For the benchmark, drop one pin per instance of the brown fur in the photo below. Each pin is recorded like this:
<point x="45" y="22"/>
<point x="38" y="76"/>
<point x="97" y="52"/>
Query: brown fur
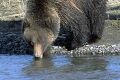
<point x="84" y="18"/>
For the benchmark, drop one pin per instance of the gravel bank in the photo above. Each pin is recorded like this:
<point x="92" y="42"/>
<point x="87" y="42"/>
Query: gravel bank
<point x="12" y="42"/>
<point x="92" y="50"/>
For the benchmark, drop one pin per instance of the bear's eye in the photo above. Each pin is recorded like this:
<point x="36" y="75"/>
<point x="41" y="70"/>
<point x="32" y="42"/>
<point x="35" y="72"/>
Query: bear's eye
<point x="30" y="43"/>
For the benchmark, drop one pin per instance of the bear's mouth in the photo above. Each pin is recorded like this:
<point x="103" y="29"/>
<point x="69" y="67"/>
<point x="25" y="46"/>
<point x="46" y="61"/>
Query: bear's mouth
<point x="38" y="51"/>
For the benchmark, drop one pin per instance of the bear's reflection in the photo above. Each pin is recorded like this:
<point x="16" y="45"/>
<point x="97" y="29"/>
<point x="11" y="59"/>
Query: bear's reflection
<point x="38" y="66"/>
<point x="65" y="64"/>
<point x="89" y="63"/>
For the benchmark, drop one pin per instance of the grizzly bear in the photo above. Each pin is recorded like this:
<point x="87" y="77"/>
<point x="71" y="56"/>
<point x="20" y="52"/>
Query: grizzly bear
<point x="83" y="19"/>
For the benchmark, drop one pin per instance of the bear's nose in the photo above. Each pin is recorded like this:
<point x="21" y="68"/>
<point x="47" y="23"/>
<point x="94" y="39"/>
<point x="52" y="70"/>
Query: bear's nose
<point x="38" y="50"/>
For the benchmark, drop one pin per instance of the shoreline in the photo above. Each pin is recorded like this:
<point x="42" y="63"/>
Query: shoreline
<point x="12" y="42"/>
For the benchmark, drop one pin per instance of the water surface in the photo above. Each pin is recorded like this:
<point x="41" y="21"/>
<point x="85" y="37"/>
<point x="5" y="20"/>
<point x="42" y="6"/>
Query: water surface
<point x="24" y="67"/>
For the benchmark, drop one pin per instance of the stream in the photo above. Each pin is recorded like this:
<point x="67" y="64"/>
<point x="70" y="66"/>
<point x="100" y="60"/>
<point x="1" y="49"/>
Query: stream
<point x="24" y="67"/>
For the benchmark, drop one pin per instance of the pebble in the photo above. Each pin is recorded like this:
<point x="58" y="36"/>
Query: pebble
<point x="113" y="49"/>
<point x="11" y="43"/>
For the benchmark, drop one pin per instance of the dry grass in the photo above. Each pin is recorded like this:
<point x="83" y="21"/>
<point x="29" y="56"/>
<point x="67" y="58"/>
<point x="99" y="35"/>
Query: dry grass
<point x="11" y="9"/>
<point x="113" y="3"/>
<point x="14" y="9"/>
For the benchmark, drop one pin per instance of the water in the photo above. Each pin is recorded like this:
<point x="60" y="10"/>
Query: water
<point x="24" y="67"/>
